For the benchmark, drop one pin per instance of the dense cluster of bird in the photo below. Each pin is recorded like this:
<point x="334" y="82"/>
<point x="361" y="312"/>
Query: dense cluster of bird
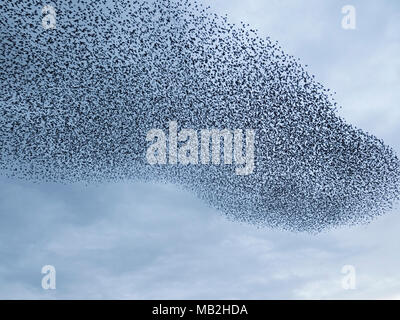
<point x="77" y="100"/>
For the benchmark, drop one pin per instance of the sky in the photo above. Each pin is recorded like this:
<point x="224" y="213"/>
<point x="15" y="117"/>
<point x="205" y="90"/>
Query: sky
<point x="148" y="241"/>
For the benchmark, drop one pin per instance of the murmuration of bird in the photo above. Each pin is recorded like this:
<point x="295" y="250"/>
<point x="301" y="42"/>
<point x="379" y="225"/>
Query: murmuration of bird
<point x="80" y="92"/>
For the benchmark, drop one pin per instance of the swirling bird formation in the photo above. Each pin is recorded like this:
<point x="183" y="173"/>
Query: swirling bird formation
<point x="77" y="100"/>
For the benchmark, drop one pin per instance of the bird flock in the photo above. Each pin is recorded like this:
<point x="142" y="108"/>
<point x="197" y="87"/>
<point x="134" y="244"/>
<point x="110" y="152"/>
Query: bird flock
<point x="77" y="99"/>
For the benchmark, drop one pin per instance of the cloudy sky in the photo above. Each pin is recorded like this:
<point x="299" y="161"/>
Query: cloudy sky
<point x="143" y="241"/>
